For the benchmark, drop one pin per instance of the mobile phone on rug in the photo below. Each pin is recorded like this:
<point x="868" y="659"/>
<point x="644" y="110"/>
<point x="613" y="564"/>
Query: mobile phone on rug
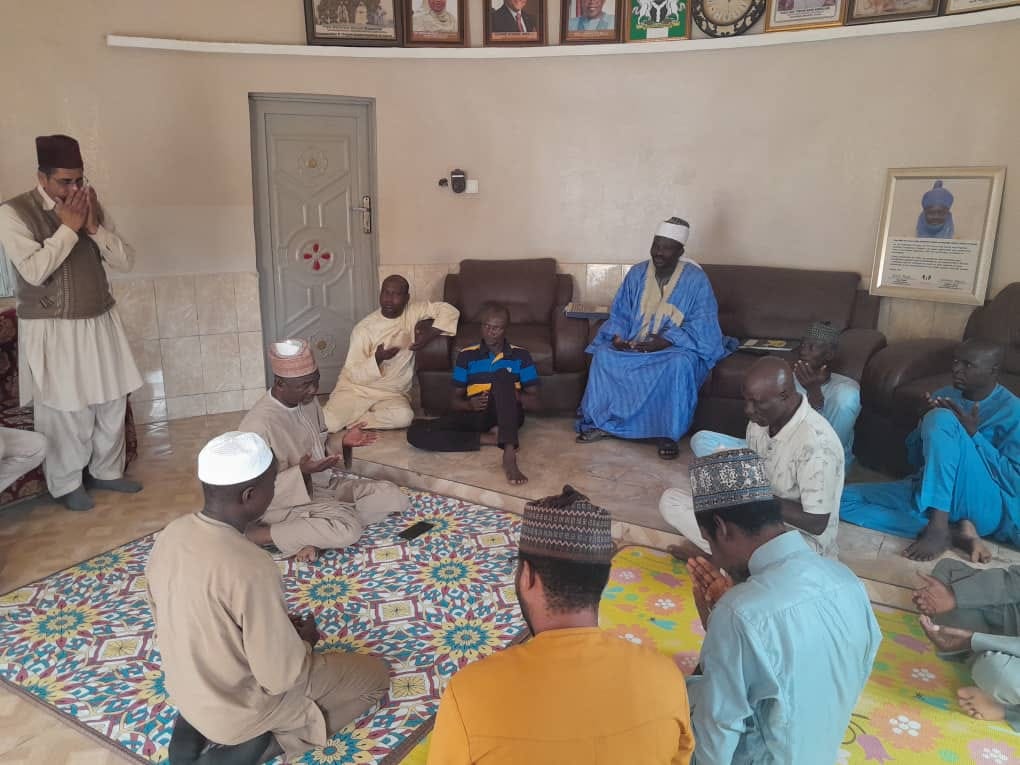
<point x="415" y="531"/>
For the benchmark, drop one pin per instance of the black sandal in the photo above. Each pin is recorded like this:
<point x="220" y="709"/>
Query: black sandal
<point x="591" y="436"/>
<point x="668" y="449"/>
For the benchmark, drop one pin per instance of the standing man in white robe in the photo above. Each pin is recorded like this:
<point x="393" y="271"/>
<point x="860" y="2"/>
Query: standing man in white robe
<point x="312" y="508"/>
<point x="75" y="364"/>
<point x="375" y="383"/>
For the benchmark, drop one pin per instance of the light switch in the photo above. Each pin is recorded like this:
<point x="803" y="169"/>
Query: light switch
<point x="472" y="186"/>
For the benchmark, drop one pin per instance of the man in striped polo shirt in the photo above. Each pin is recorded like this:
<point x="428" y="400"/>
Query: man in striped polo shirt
<point x="494" y="382"/>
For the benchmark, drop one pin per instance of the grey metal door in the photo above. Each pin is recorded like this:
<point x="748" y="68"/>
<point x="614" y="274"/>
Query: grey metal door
<point x="313" y="169"/>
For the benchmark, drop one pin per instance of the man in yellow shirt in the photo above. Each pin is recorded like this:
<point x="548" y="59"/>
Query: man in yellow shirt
<point x="573" y="694"/>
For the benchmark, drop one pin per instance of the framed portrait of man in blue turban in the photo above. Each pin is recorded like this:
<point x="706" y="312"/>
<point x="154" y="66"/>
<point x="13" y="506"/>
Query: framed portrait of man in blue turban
<point x="937" y="233"/>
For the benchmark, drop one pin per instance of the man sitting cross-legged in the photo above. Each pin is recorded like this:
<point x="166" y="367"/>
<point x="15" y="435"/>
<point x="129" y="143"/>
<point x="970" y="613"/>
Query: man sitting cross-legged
<point x="651" y="357"/>
<point x="967" y="450"/>
<point x="803" y="460"/>
<point x="836" y="397"/>
<point x="494" y="384"/>
<point x="312" y="508"/>
<point x="374" y="384"/>
<point x="236" y="664"/>
<point x="575" y="693"/>
<point x="975" y="614"/>
<point x="789" y="647"/>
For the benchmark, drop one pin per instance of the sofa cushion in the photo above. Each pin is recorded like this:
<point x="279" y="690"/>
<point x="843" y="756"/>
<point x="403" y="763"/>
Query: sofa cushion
<point x="527" y="287"/>
<point x="757" y="301"/>
<point x="536" y="338"/>
<point x="908" y="399"/>
<point x="727" y="377"/>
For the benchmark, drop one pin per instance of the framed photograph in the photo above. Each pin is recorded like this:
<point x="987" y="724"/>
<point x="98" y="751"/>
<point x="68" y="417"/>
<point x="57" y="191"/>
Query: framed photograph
<point x="514" y="22"/>
<point x="782" y="15"/>
<point x="868" y="11"/>
<point x="353" y="22"/>
<point x="586" y="21"/>
<point x="949" y="7"/>
<point x="937" y="234"/>
<point x="435" y="22"/>
<point x="658" y="20"/>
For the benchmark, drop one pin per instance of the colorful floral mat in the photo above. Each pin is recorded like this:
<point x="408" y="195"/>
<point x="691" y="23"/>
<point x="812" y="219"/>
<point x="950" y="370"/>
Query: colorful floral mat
<point x="907" y="714"/>
<point x="81" y="641"/>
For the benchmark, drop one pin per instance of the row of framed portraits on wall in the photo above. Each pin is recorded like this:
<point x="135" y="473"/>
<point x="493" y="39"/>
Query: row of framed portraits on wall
<point x="435" y="23"/>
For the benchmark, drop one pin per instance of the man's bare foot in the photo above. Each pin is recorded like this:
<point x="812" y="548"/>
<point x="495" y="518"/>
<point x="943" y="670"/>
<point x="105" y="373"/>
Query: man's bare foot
<point x="686" y="550"/>
<point x="934" y="597"/>
<point x="980" y="705"/>
<point x="946" y="639"/>
<point x="259" y="534"/>
<point x="934" y="541"/>
<point x="965" y="537"/>
<point x="307" y="554"/>
<point x="513" y="473"/>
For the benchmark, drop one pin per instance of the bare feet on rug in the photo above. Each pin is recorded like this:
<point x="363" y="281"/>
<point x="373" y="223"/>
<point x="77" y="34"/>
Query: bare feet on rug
<point x="934" y="541"/>
<point x="307" y="554"/>
<point x="965" y="537"/>
<point x="946" y="639"/>
<point x="933" y="597"/>
<point x="513" y="473"/>
<point x="980" y="705"/>
<point x="685" y="550"/>
<point x="259" y="534"/>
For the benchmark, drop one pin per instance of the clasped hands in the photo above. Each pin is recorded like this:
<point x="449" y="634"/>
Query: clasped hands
<point x="81" y="209"/>
<point x="969" y="420"/>
<point x="709" y="584"/>
<point x="651" y="344"/>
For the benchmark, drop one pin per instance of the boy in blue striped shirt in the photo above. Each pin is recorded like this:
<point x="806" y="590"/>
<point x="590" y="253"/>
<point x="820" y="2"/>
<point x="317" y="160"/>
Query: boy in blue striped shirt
<point x="494" y="382"/>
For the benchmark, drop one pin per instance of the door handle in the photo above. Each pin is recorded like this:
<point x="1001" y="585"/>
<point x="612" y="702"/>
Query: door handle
<point x="366" y="214"/>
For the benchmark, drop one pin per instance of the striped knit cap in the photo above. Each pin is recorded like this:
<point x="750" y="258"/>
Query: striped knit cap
<point x="578" y="531"/>
<point x="729" y="478"/>
<point x="823" y="332"/>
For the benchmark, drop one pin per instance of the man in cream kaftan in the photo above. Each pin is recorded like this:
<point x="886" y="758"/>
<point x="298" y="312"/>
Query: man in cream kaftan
<point x="376" y="379"/>
<point x="75" y="364"/>
<point x="312" y="508"/>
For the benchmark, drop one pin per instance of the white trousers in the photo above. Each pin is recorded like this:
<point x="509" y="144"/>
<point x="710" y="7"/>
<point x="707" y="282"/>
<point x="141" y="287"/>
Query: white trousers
<point x="92" y="437"/>
<point x="379" y="412"/>
<point x="20" y="451"/>
<point x="677" y="509"/>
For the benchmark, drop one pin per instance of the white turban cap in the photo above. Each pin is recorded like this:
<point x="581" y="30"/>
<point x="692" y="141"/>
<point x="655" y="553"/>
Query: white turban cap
<point x="676" y="229"/>
<point x="233" y="458"/>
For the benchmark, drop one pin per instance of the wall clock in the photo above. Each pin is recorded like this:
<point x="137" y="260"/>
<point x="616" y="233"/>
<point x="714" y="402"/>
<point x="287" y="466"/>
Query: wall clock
<point x="725" y="18"/>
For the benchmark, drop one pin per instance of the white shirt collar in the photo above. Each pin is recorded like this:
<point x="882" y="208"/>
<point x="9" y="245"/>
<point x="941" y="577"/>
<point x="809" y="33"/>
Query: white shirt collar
<point x="48" y="204"/>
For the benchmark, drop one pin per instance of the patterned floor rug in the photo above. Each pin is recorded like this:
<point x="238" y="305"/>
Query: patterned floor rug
<point x="907" y="714"/>
<point x="81" y="641"/>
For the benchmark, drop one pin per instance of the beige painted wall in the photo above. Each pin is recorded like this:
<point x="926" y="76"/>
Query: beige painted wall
<point x="777" y="155"/>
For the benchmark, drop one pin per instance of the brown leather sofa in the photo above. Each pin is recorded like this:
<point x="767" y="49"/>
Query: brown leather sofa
<point x="894" y="384"/>
<point x="536" y="296"/>
<point x="781" y="303"/>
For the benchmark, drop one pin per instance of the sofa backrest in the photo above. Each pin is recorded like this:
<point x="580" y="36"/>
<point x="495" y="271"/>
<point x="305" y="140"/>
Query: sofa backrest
<point x="527" y="287"/>
<point x="764" y="302"/>
<point x="999" y="322"/>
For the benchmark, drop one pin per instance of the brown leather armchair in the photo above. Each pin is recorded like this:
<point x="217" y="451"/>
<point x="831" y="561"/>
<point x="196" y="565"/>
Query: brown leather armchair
<point x="781" y="303"/>
<point x="536" y="296"/>
<point x="896" y="379"/>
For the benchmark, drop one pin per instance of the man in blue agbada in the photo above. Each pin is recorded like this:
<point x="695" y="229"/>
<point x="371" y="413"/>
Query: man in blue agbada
<point x="651" y="356"/>
<point x="967" y="450"/>
<point x="935" y="220"/>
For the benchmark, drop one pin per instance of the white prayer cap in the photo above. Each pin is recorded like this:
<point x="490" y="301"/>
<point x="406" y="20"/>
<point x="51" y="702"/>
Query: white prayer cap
<point x="675" y="228"/>
<point x="233" y="458"/>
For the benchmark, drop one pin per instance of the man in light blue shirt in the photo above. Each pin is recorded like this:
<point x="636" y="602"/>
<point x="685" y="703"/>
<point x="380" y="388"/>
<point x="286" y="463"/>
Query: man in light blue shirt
<point x="592" y="18"/>
<point x="789" y="647"/>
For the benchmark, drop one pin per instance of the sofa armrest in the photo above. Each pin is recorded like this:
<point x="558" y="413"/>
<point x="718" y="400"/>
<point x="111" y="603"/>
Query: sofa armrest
<point x="435" y="357"/>
<point x="856" y="347"/>
<point x="570" y="338"/>
<point x="901" y="363"/>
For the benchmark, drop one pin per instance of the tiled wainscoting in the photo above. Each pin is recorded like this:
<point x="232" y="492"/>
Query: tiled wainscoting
<point x="197" y="341"/>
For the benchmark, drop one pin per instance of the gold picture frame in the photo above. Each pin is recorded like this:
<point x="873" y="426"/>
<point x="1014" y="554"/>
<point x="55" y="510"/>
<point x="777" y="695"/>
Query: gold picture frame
<point x="937" y="233"/>
<point x="785" y="15"/>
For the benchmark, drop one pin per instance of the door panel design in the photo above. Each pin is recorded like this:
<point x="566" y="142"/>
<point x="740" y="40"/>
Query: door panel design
<point x="316" y="167"/>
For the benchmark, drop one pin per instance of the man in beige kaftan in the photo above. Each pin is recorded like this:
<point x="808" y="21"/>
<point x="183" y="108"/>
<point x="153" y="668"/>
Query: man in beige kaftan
<point x="376" y="379"/>
<point x="236" y="665"/>
<point x="74" y="361"/>
<point x="313" y="508"/>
